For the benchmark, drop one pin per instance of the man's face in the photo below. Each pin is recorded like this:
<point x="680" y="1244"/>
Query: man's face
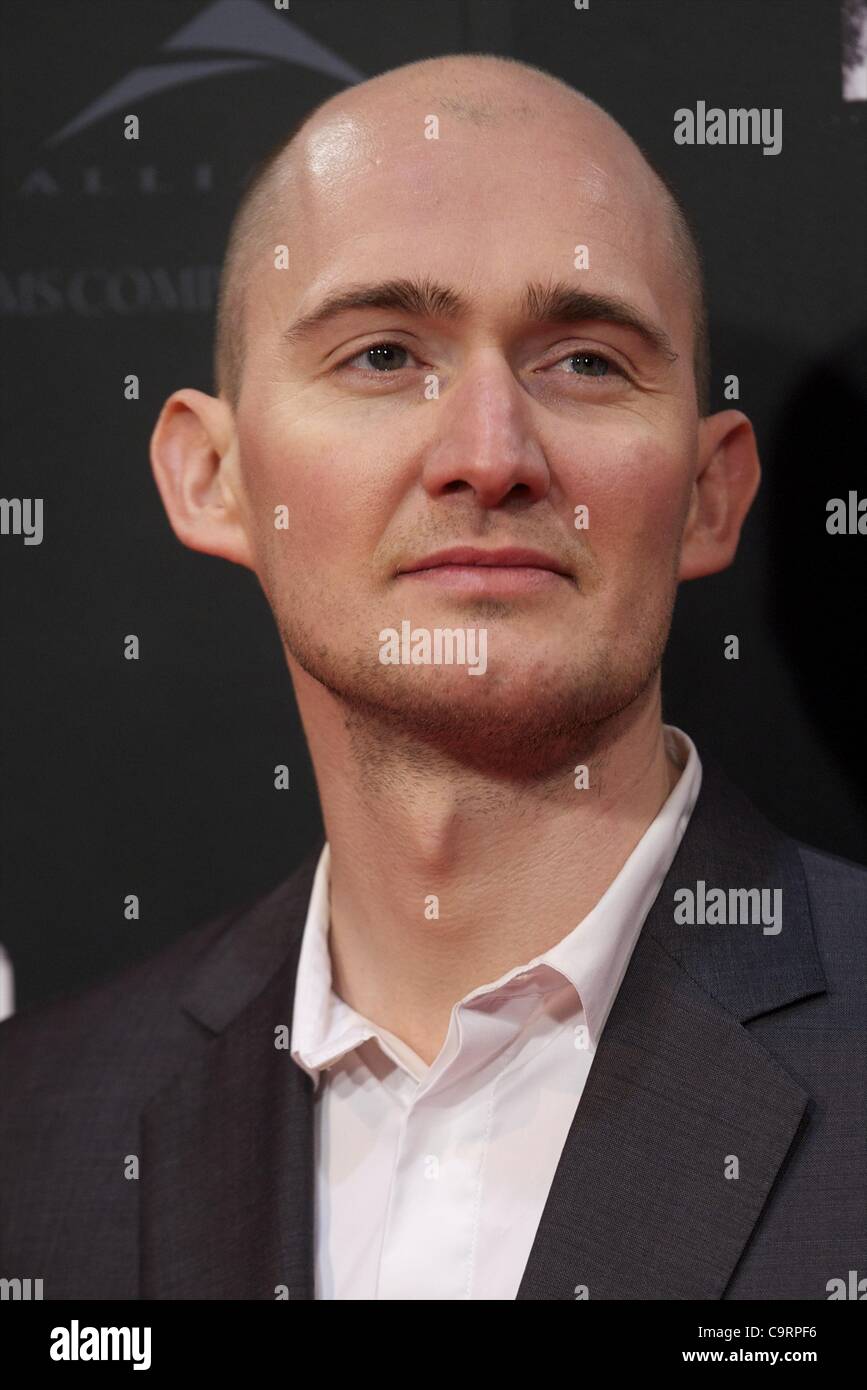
<point x="485" y="431"/>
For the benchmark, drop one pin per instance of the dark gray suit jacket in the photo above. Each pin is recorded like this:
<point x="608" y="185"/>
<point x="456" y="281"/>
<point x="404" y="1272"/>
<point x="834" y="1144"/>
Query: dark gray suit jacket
<point x="723" y="1042"/>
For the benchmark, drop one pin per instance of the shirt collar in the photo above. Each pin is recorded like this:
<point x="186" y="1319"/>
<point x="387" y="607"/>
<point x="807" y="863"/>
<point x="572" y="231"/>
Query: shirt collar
<point x="593" y="957"/>
<point x="595" y="954"/>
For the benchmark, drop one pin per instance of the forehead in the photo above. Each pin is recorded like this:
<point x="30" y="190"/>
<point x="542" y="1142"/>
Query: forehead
<point x="483" y="205"/>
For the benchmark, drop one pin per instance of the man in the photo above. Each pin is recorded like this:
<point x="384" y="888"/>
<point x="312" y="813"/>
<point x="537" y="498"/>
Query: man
<point x="553" y="1014"/>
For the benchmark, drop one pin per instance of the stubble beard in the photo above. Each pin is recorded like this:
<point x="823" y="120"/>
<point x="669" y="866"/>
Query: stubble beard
<point x="556" y="719"/>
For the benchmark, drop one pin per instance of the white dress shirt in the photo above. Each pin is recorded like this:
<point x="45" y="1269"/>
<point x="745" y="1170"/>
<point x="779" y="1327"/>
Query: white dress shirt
<point x="431" y="1180"/>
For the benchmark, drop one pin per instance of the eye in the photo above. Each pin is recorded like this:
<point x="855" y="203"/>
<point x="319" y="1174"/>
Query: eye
<point x="590" y="364"/>
<point x="379" y="357"/>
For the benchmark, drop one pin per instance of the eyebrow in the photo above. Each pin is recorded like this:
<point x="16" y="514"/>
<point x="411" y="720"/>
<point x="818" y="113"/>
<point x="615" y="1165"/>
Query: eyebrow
<point x="555" y="302"/>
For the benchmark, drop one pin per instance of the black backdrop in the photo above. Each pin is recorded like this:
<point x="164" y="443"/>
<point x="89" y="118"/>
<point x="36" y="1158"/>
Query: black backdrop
<point x="155" y="777"/>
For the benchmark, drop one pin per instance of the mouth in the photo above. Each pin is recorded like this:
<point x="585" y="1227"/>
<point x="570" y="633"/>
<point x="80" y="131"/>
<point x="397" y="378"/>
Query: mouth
<point x="470" y="569"/>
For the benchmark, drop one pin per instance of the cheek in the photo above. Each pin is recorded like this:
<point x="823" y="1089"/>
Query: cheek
<point x="636" y="492"/>
<point x="307" y="495"/>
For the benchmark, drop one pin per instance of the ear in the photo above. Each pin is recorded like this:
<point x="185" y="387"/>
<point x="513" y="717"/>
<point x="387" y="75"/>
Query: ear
<point x="194" y="460"/>
<point x="725" y="484"/>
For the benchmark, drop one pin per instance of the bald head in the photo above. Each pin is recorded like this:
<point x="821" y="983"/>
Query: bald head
<point x="482" y="90"/>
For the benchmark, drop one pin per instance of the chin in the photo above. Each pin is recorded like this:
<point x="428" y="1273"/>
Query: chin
<point x="507" y="724"/>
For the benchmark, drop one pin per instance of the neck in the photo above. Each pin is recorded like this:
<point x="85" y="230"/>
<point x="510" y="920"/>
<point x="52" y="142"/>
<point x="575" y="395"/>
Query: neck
<point x="438" y="872"/>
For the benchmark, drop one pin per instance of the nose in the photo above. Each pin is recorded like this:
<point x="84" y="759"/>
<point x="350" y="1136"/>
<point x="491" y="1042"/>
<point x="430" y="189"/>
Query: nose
<point x="484" y="442"/>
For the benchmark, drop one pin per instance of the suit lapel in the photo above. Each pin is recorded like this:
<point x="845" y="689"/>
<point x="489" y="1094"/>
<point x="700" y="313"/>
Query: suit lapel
<point x="227" y="1147"/>
<point x="679" y="1089"/>
<point x="640" y="1206"/>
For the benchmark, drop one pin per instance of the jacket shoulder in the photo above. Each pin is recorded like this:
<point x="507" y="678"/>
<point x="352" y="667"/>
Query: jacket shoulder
<point x="837" y="893"/>
<point x="128" y="1027"/>
<point x="832" y="867"/>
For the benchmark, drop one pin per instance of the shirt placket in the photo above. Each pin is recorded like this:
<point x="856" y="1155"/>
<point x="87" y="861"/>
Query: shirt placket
<point x="430" y="1233"/>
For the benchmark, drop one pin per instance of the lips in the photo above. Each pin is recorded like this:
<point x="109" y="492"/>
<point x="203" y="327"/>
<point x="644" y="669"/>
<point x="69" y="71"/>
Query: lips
<point x="507" y="557"/>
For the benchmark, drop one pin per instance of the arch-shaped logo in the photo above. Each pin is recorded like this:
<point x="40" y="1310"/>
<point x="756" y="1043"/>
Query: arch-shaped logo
<point x="229" y="27"/>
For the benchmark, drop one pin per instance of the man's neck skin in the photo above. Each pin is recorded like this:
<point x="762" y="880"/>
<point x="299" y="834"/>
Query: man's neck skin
<point x="514" y="868"/>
